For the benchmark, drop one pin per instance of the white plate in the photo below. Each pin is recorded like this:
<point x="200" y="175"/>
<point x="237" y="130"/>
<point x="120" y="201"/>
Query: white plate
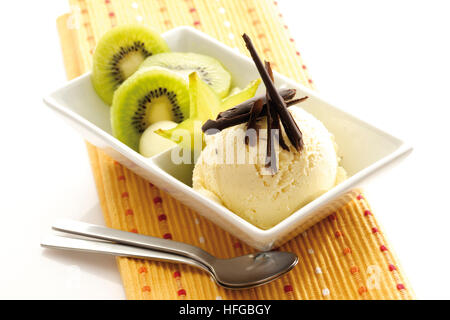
<point x="365" y="149"/>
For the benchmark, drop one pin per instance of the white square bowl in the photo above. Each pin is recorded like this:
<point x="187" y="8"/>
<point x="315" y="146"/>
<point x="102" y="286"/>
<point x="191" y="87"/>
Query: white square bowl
<point x="365" y="149"/>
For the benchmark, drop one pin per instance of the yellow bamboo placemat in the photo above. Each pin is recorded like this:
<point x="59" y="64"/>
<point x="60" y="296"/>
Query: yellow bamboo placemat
<point x="342" y="257"/>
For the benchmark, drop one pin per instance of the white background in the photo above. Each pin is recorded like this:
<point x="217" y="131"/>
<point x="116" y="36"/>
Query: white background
<point x="385" y="61"/>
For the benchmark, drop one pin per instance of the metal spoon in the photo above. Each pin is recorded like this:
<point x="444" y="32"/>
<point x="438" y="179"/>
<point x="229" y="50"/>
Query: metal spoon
<point x="237" y="273"/>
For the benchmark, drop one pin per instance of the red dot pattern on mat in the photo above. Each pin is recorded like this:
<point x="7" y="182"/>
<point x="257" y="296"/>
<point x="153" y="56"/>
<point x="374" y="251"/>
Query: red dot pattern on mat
<point x="121" y="178"/>
<point x="166" y="18"/>
<point x="129" y="212"/>
<point x="146" y="289"/>
<point x="288" y="288"/>
<point x="177" y="276"/>
<point x="354" y="269"/>
<point x="390" y="264"/>
<point x="134" y="230"/>
<point x="142" y="270"/>
<point x="237" y="245"/>
<point x="125" y="195"/>
<point x="167" y="236"/>
<point x="193" y="12"/>
<point x="111" y="14"/>
<point x="157" y="200"/>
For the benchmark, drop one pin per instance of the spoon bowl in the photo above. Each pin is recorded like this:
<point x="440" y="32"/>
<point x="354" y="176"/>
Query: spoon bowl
<point x="253" y="269"/>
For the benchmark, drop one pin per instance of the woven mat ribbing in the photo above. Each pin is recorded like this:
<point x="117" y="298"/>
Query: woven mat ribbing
<point x="342" y="257"/>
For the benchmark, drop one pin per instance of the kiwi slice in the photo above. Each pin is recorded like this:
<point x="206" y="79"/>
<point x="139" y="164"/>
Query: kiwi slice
<point x="148" y="96"/>
<point x="119" y="54"/>
<point x="209" y="69"/>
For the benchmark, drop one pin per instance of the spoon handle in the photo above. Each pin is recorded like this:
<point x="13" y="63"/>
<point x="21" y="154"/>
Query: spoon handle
<point x="119" y="250"/>
<point x="133" y="239"/>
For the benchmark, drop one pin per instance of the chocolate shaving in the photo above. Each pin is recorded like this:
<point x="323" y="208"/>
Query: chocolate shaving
<point x="274" y="114"/>
<point x="254" y="114"/>
<point x="295" y="101"/>
<point x="271" y="158"/>
<point x="225" y="122"/>
<point x="293" y="132"/>
<point x="276" y="126"/>
<point x="269" y="161"/>
<point x="269" y="138"/>
<point x="245" y="107"/>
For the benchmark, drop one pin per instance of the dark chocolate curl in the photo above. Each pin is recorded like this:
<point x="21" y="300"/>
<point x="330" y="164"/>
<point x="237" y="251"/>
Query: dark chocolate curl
<point x="293" y="132"/>
<point x="254" y="114"/>
<point x="246" y="106"/>
<point x="274" y="114"/>
<point x="239" y="118"/>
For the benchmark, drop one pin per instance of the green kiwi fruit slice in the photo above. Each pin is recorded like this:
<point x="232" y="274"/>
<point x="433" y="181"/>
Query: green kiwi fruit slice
<point x="209" y="69"/>
<point x="148" y="96"/>
<point x="119" y="53"/>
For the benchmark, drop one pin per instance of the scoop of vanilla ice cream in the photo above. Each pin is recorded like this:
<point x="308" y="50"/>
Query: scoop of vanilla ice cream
<point x="248" y="188"/>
